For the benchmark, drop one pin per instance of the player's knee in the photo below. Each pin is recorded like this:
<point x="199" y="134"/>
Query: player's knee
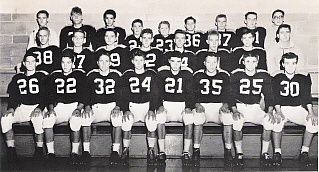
<point x="188" y="118"/>
<point x="238" y="125"/>
<point x="268" y="125"/>
<point x="37" y="124"/>
<point x="117" y="120"/>
<point x="6" y="123"/>
<point x="161" y="117"/>
<point x="75" y="123"/>
<point x="311" y="128"/>
<point x="128" y="123"/>
<point x="49" y="122"/>
<point x="199" y="118"/>
<point x="151" y="124"/>
<point x="86" y="122"/>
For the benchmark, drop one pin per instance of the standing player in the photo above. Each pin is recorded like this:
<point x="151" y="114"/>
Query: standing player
<point x="211" y="92"/>
<point x="247" y="87"/>
<point x="164" y="40"/>
<point x="277" y="20"/>
<point x="195" y="40"/>
<point x="26" y="103"/>
<point x="68" y="31"/>
<point x="137" y="104"/>
<point x="174" y="99"/>
<point x="133" y="41"/>
<point x="251" y="24"/>
<point x="292" y="90"/>
<point x="226" y="36"/>
<point x="104" y="99"/>
<point x="65" y="101"/>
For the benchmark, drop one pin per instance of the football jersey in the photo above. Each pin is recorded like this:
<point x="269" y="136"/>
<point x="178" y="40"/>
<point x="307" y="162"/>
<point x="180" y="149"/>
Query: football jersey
<point x="195" y="41"/>
<point x="120" y="58"/>
<point x="103" y="89"/>
<point x="84" y="60"/>
<point x="174" y="88"/>
<point x="101" y="34"/>
<point x="48" y="58"/>
<point x="66" y="88"/>
<point x="188" y="60"/>
<point x="68" y="31"/>
<point x="28" y="90"/>
<point x="239" y="51"/>
<point x="133" y="42"/>
<point x="292" y="92"/>
<point x="137" y="88"/>
<point x="163" y="43"/>
<point x="154" y="58"/>
<point x="227" y="40"/>
<point x="248" y="89"/>
<point x="224" y="63"/>
<point x="260" y="35"/>
<point x="211" y="89"/>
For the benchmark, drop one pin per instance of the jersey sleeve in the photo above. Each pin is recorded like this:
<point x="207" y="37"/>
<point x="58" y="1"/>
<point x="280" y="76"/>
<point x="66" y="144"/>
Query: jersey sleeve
<point x="226" y="90"/>
<point x="306" y="98"/>
<point x="122" y="35"/>
<point x="42" y="84"/>
<point x="81" y="82"/>
<point x="12" y="90"/>
<point x="262" y="64"/>
<point x="63" y="39"/>
<point x="189" y="98"/>
<point x="158" y="92"/>
<point x="125" y="90"/>
<point x="232" y="90"/>
<point x="267" y="91"/>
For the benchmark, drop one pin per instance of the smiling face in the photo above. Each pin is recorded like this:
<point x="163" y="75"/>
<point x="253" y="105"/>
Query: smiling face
<point x="180" y="40"/>
<point x="76" y="18"/>
<point x="137" y="28"/>
<point x="78" y="39"/>
<point x="163" y="29"/>
<point x="278" y="18"/>
<point x="211" y="63"/>
<point x="104" y="63"/>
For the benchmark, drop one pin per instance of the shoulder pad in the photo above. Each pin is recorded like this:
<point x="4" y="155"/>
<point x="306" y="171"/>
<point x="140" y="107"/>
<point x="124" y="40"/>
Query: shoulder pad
<point x="236" y="48"/>
<point x="202" y="50"/>
<point x="187" y="69"/>
<point x="277" y="72"/>
<point x="152" y="70"/>
<point x="88" y="48"/>
<point x="230" y="30"/>
<point x="187" y="51"/>
<point x="302" y="72"/>
<point x="223" y="71"/>
<point x="80" y="70"/>
<point x="237" y="70"/>
<point x="116" y="71"/>
<point x="56" y="71"/>
<point x="155" y="48"/>
<point x="261" y="70"/>
<point x="258" y="48"/>
<point x="128" y="70"/>
<point x="92" y="71"/>
<point x="44" y="72"/>
<point x="71" y="48"/>
<point x="102" y="47"/>
<point x="121" y="45"/>
<point x="164" y="68"/>
<point x="199" y="71"/>
<point x="223" y="49"/>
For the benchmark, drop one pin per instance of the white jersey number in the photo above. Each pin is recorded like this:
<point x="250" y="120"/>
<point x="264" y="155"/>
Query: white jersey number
<point x="215" y="84"/>
<point x="33" y="86"/>
<point x="170" y="84"/>
<point x="135" y="82"/>
<point x="109" y="86"/>
<point x="192" y="40"/>
<point x="291" y="88"/>
<point x="70" y="85"/>
<point x="47" y="57"/>
<point x="115" y="59"/>
<point x="150" y="60"/>
<point x="245" y="85"/>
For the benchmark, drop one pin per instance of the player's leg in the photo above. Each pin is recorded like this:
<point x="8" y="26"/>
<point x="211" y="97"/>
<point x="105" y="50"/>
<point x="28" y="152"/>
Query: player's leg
<point x="37" y="122"/>
<point x="116" y="120"/>
<point x="75" y="122"/>
<point x="188" y="120"/>
<point x="238" y="134"/>
<point x="277" y="137"/>
<point x="227" y="120"/>
<point x="7" y="121"/>
<point x="151" y="125"/>
<point x="161" y="117"/>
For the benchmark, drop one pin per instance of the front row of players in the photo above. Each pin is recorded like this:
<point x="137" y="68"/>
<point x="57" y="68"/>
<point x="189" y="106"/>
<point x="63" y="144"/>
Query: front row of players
<point x="172" y="94"/>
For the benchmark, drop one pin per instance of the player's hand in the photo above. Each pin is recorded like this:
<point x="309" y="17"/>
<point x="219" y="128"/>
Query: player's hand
<point x="199" y="108"/>
<point x="160" y="110"/>
<point x="150" y="115"/>
<point x="36" y="112"/>
<point x="224" y="108"/>
<point x="271" y="118"/>
<point x="313" y="117"/>
<point x="76" y="113"/>
<point x="8" y="112"/>
<point x="126" y="116"/>
<point x="279" y="117"/>
<point x="49" y="113"/>
<point x="237" y="115"/>
<point x="188" y="111"/>
<point x="87" y="113"/>
<point x="116" y="112"/>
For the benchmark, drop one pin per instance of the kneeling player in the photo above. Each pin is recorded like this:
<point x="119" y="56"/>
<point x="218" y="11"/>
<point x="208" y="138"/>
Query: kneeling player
<point x="292" y="90"/>
<point x="25" y="103"/>
<point x="104" y="98"/>
<point x="137" y="104"/>
<point x="247" y="86"/>
<point x="212" y="95"/>
<point x="174" y="97"/>
<point x="65" y="94"/>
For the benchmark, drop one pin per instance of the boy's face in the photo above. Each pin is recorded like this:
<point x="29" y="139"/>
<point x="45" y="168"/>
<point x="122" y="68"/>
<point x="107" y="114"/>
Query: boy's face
<point x="138" y="62"/>
<point x="278" y="18"/>
<point x="66" y="64"/>
<point x="43" y="36"/>
<point x="42" y="19"/>
<point x="146" y="40"/>
<point x="247" y="39"/>
<point x="76" y="18"/>
<point x="213" y="42"/>
<point x="190" y="25"/>
<point x="180" y="40"/>
<point x="109" y="20"/>
<point x="104" y="63"/>
<point x="250" y="63"/>
<point x="78" y="39"/>
<point x="221" y="23"/>
<point x="290" y="65"/>
<point x="164" y="29"/>
<point x="175" y="63"/>
<point x="30" y="63"/>
<point x="110" y="38"/>
<point x="284" y="34"/>
<point x="137" y="28"/>
<point x="211" y="63"/>
<point x="251" y="21"/>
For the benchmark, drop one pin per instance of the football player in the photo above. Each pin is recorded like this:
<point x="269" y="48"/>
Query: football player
<point x="174" y="99"/>
<point x="118" y="52"/>
<point x="77" y="23"/>
<point x="292" y="90"/>
<point x="277" y="20"/>
<point x="164" y="40"/>
<point x="26" y="103"/>
<point x="251" y="24"/>
<point x="226" y="36"/>
<point x="65" y="103"/>
<point x="104" y="99"/>
<point x="247" y="87"/>
<point x="42" y="20"/>
<point x="195" y="40"/>
<point x="211" y="92"/>
<point x="109" y="17"/>
<point x="134" y="41"/>
<point x="137" y="105"/>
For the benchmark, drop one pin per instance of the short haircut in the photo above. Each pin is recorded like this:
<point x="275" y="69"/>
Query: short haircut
<point x="164" y="22"/>
<point x="248" y="54"/>
<point x="220" y="16"/>
<point x="147" y="30"/>
<point x="27" y="54"/>
<point x="111" y="30"/>
<point x="211" y="54"/>
<point x="175" y="54"/>
<point x="68" y="53"/>
<point x="212" y="32"/>
<point x="43" y="28"/>
<point x="137" y="21"/>
<point x="250" y="12"/>
<point x="81" y="31"/>
<point x="43" y="12"/>
<point x="248" y="31"/>
<point x="137" y="52"/>
<point x="109" y="11"/>
<point x="101" y="52"/>
<point x="278" y="10"/>
<point x="76" y="10"/>
<point x="282" y="26"/>
<point x="289" y="55"/>
<point x="179" y="31"/>
<point x="190" y="18"/>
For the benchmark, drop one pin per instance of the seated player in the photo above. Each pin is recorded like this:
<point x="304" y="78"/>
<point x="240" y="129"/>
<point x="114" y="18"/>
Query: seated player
<point x="277" y="19"/>
<point x="118" y="53"/>
<point x="247" y="38"/>
<point x="83" y="56"/>
<point x="247" y="87"/>
<point x="174" y="99"/>
<point x="164" y="40"/>
<point x="109" y="17"/>
<point x="26" y="103"/>
<point x="251" y="24"/>
<point x="133" y="41"/>
<point x="103" y="104"/>
<point x="225" y="56"/>
<point x="195" y="40"/>
<point x="292" y="90"/>
<point x="211" y="92"/>
<point x="227" y="37"/>
<point x="65" y="102"/>
<point x="137" y="105"/>
<point x="67" y="32"/>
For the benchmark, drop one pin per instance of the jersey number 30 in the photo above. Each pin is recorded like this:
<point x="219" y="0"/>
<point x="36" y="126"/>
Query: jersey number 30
<point x="291" y="88"/>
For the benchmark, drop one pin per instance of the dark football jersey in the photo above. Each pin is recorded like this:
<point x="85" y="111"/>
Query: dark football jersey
<point x="120" y="58"/>
<point x="188" y="60"/>
<point x="84" y="60"/>
<point x="248" y="89"/>
<point x="101" y="34"/>
<point x="68" y="31"/>
<point x="103" y="89"/>
<point x="227" y="40"/>
<point x="132" y="42"/>
<point x="174" y="88"/>
<point x="154" y="58"/>
<point x="67" y="88"/>
<point x="292" y="92"/>
<point x="238" y="53"/>
<point x="28" y="90"/>
<point x="260" y="33"/>
<point x="195" y="41"/>
<point x="211" y="89"/>
<point x="137" y="88"/>
<point x="224" y="63"/>
<point x="48" y="58"/>
<point x="163" y="43"/>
